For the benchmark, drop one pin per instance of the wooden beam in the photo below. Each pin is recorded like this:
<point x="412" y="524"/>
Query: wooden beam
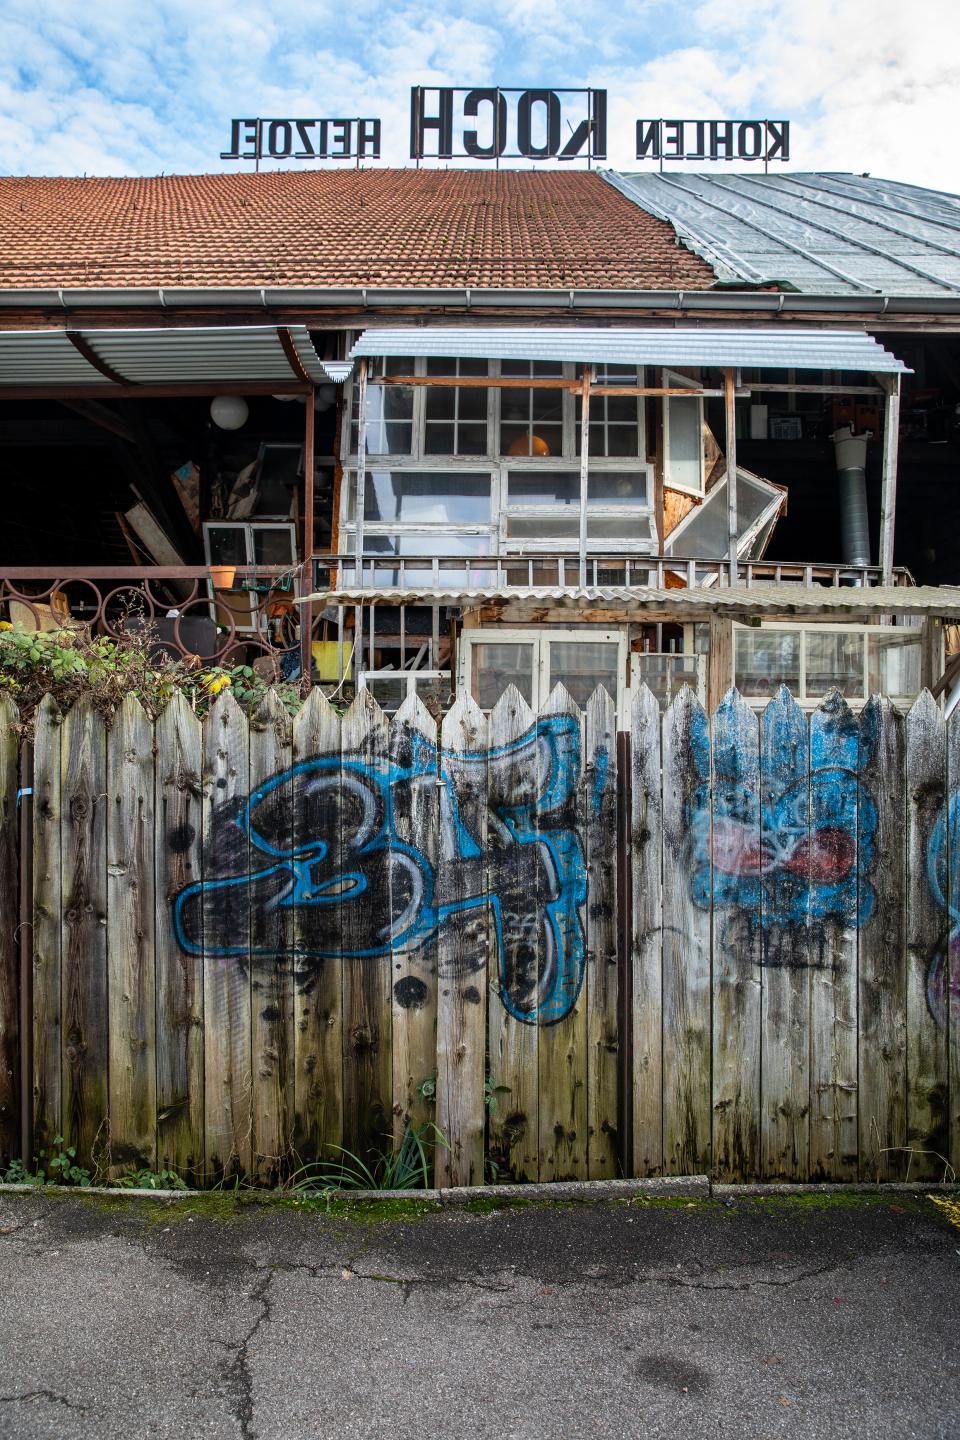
<point x="126" y="391"/>
<point x="361" y="463"/>
<point x="584" y="471"/>
<point x="730" y="451"/>
<point x="309" y="467"/>
<point x="100" y="415"/>
<point x="888" y="492"/>
<point x="92" y="358"/>
<point x="290" y="350"/>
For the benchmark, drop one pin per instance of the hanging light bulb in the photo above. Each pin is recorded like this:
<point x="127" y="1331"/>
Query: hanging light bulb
<point x="229" y="411"/>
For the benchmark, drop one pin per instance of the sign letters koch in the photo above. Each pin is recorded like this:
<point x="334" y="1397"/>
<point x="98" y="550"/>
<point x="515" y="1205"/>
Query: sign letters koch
<point x="713" y="140"/>
<point x="489" y="123"/>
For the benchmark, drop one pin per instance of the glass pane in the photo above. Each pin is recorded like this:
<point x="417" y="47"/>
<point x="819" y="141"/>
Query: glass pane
<point x="389" y="693"/>
<point x="472" y="404"/>
<point x="685" y="443"/>
<point x="543" y="527"/>
<point x="495" y="666"/>
<point x="272" y="546"/>
<point x="228" y="544"/>
<point x="619" y="527"/>
<point x="537" y="438"/>
<point x="445" y="365"/>
<point x="439" y="439"/>
<point x="543" y="487"/>
<point x="581" y="665"/>
<point x="894" y="667"/>
<point x="420" y="496"/>
<point x="834" y="659"/>
<point x="471" y="439"/>
<point x="398" y="365"/>
<point x="617" y="487"/>
<point x="766" y="659"/>
<point x="425" y="542"/>
<point x="389" y="420"/>
<point x="441" y="402"/>
<point x="705" y="536"/>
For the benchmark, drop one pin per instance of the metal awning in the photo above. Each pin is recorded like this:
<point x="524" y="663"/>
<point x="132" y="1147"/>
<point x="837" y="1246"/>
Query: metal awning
<point x="755" y="348"/>
<point x="782" y="600"/>
<point x="111" y="359"/>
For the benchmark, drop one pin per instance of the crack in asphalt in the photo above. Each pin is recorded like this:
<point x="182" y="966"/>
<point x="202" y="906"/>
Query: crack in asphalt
<point x="44" y="1395"/>
<point x="238" y="1374"/>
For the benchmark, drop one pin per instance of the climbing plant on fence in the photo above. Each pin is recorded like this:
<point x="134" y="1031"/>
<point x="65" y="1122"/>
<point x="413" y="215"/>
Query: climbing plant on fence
<point x="728" y="943"/>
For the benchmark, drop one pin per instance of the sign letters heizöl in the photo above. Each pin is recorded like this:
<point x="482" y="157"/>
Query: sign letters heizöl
<point x="291" y="139"/>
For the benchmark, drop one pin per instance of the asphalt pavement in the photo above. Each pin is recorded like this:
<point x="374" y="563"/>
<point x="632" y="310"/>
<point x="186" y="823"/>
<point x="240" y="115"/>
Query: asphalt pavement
<point x="214" y="1317"/>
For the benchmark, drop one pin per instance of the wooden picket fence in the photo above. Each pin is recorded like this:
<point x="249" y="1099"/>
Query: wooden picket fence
<point x="721" y="944"/>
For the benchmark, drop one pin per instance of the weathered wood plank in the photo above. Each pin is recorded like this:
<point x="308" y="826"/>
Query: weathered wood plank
<point x="226" y="900"/>
<point x="415" y="813"/>
<point x="834" y="797"/>
<point x="736" y="860"/>
<point x="882" y="971"/>
<point x="318" y="973"/>
<point x="131" y="973"/>
<point x="9" y="930"/>
<point x="47" y="934"/>
<point x="83" y="828"/>
<point x="602" y="926"/>
<point x="944" y="980"/>
<point x="464" y="947"/>
<point x="367" y="999"/>
<point x="563" y="1042"/>
<point x="512" y="780"/>
<point x="646" y="969"/>
<point x="686" y="937"/>
<point x="927" y="928"/>
<point x="271" y="942"/>
<point x="785" y="910"/>
<point x="179" y="801"/>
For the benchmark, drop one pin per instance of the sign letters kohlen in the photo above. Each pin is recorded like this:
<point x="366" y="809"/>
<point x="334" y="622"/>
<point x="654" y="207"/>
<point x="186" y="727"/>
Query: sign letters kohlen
<point x="713" y="140"/>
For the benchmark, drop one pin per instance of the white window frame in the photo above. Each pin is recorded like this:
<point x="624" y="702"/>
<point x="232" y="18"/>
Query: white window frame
<point x="812" y="702"/>
<point x="766" y="518"/>
<point x="541" y="639"/>
<point x="673" y="377"/>
<point x="248" y="527"/>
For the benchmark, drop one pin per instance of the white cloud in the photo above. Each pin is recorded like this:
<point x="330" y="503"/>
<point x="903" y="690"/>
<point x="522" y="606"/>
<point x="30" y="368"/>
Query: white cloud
<point x="118" y="87"/>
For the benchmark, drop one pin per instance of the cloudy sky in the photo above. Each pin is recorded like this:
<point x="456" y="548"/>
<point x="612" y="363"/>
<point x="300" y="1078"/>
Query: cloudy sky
<point x="115" y="87"/>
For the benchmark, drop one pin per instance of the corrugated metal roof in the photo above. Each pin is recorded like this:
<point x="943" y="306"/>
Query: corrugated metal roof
<point x="760" y="346"/>
<point x="769" y="600"/>
<point x="823" y="234"/>
<point x="157" y="357"/>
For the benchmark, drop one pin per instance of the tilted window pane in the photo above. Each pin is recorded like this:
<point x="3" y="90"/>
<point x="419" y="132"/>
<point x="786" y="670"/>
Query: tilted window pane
<point x="765" y="660"/>
<point x="495" y="666"/>
<point x="894" y="667"/>
<point x="834" y="659"/>
<point x="272" y="547"/>
<point x="580" y="666"/>
<point x="228" y="544"/>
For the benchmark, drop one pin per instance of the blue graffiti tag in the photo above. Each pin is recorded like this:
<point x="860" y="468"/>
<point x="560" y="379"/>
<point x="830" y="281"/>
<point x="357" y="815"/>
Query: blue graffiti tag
<point x="328" y="828"/>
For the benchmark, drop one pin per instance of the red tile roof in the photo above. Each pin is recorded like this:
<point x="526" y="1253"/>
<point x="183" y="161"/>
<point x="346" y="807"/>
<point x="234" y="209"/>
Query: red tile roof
<point x="338" y="228"/>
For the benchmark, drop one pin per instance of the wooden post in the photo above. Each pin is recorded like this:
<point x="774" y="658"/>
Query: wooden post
<point x="361" y="467"/>
<point x="584" y="470"/>
<point x="730" y="450"/>
<point x="309" y="476"/>
<point x="888" y="493"/>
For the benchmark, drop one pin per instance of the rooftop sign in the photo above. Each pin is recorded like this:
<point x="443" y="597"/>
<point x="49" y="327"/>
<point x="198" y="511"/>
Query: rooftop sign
<point x="328" y="139"/>
<point x="491" y="123"/>
<point x="713" y="140"/>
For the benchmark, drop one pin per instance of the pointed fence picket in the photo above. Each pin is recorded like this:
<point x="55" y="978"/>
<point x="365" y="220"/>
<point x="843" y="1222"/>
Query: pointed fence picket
<point x="259" y="938"/>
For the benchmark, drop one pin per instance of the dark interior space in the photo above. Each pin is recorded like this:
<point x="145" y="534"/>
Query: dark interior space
<point x="927" y="539"/>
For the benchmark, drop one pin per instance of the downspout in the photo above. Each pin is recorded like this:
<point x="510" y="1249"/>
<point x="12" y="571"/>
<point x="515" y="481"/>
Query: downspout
<point x="850" y="452"/>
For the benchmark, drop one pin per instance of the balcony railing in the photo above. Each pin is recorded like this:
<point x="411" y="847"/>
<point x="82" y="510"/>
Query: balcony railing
<point x="562" y="572"/>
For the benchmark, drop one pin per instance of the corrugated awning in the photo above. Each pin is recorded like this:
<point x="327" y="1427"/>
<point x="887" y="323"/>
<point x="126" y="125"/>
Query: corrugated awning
<point x="105" y="359"/>
<point x="757" y="347"/>
<point x="850" y="602"/>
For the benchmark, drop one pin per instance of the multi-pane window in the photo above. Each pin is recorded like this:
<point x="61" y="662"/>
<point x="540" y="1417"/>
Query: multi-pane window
<point x="455" y="417"/>
<point x="535" y="662"/>
<point x="531" y="420"/>
<point x="497" y="465"/>
<point x="616" y="421"/>
<point x="859" y="661"/>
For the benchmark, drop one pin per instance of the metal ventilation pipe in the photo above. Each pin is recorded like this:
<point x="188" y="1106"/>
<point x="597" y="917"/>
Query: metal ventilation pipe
<point x="850" y="452"/>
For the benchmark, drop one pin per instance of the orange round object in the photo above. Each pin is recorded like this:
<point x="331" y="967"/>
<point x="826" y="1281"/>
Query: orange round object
<point x="537" y="446"/>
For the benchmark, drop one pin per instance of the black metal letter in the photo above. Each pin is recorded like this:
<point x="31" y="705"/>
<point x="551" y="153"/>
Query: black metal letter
<point x="778" y="138"/>
<point x="525" y="144"/>
<point x="648" y="139"/>
<point x="306" y="151"/>
<point x="234" y="152"/>
<point x="279" y="139"/>
<point x="368" y="138"/>
<point x="673" y="135"/>
<point x="749" y="131"/>
<point x="420" y="123"/>
<point x="721" y="135"/>
<point x="471" y="108"/>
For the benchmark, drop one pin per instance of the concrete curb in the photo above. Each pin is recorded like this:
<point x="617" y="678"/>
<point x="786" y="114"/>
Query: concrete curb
<point x="694" y="1187"/>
